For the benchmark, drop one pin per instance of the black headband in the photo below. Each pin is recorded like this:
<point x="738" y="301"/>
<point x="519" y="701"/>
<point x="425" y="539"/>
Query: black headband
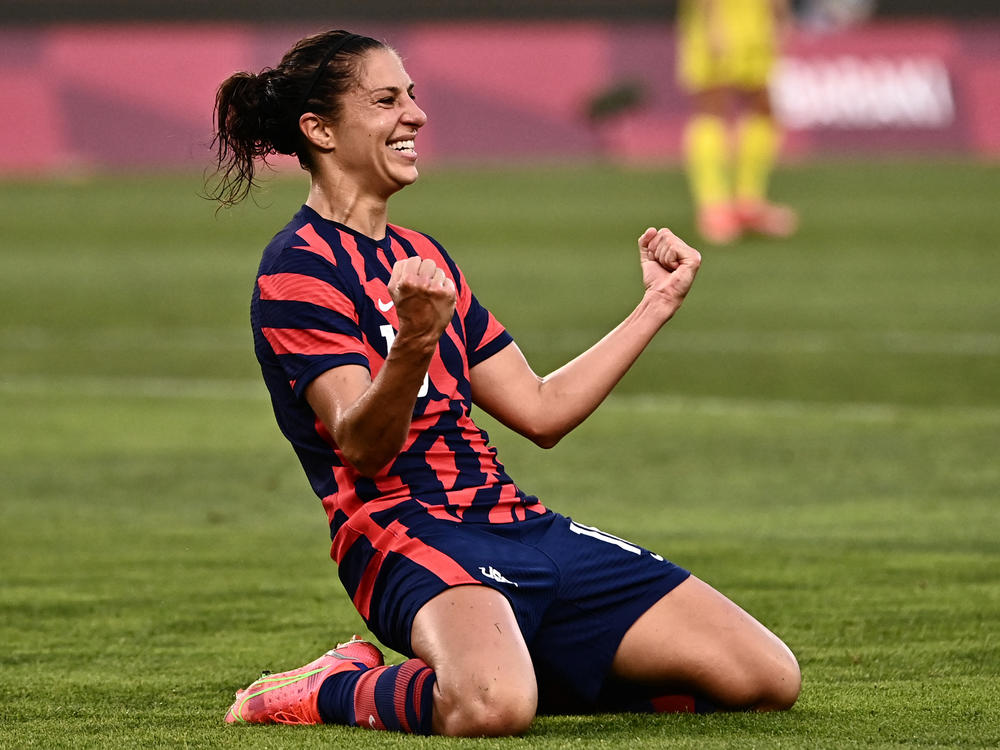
<point x="330" y="53"/>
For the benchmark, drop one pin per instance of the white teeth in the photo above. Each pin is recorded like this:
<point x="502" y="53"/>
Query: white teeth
<point x="402" y="145"/>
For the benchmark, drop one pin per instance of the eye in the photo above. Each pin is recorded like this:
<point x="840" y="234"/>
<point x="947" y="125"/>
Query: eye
<point x="387" y="100"/>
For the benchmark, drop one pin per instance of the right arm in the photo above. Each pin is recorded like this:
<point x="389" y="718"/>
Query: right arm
<point x="544" y="409"/>
<point x="369" y="418"/>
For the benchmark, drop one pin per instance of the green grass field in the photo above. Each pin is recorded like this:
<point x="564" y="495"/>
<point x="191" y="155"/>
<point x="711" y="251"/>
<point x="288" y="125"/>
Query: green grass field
<point x="816" y="434"/>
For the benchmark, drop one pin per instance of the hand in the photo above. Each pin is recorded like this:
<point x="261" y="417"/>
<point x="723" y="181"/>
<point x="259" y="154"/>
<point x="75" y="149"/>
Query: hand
<point x="424" y="297"/>
<point x="669" y="266"/>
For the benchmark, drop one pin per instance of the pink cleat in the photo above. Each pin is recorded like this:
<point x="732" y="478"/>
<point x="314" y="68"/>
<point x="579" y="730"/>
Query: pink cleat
<point x="719" y="224"/>
<point x="290" y="697"/>
<point x="767" y="219"/>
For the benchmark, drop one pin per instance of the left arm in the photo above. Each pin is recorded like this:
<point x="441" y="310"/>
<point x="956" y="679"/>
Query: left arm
<point x="544" y="409"/>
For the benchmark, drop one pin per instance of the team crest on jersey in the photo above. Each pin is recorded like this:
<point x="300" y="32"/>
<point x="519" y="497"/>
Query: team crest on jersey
<point x="495" y="575"/>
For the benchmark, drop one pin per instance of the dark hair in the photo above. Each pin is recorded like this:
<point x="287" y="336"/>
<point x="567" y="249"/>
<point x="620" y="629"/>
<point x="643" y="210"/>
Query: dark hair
<point x="257" y="115"/>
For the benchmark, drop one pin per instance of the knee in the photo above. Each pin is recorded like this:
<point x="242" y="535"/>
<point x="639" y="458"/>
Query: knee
<point x="772" y="684"/>
<point x="777" y="688"/>
<point x="497" y="712"/>
<point x="785" y="685"/>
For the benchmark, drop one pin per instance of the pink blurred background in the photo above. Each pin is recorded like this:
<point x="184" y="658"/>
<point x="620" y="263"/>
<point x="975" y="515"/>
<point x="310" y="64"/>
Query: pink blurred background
<point x="108" y="97"/>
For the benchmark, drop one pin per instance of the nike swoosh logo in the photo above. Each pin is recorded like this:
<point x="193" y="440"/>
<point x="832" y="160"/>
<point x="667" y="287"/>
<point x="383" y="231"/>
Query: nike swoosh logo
<point x="384" y="306"/>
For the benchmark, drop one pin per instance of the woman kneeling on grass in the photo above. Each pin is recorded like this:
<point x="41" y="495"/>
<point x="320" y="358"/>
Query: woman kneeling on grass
<point x="374" y="350"/>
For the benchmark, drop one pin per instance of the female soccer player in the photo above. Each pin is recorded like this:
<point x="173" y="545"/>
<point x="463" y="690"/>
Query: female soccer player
<point x="374" y="349"/>
<point x="726" y="52"/>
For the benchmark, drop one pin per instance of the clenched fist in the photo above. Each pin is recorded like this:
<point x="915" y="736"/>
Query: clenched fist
<point x="424" y="297"/>
<point x="669" y="265"/>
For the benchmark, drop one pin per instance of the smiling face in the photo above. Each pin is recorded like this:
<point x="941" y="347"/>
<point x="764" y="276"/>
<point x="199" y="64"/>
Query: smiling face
<point x="374" y="139"/>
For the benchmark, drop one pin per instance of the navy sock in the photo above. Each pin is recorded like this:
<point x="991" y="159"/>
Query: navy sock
<point x="336" y="697"/>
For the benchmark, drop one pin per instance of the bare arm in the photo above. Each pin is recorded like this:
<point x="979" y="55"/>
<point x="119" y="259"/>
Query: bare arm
<point x="369" y="418"/>
<point x="545" y="409"/>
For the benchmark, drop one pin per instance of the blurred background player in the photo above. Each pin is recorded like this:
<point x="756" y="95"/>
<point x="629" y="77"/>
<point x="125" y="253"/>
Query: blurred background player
<point x="726" y="52"/>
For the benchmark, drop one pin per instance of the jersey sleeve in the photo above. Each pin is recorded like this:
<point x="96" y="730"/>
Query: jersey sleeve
<point x="485" y="335"/>
<point x="306" y="317"/>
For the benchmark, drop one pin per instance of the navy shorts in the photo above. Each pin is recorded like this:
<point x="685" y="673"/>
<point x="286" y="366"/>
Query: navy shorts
<point x="575" y="591"/>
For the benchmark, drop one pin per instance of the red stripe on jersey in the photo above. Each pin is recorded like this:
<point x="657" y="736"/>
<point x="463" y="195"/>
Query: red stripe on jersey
<point x="396" y="539"/>
<point x="450" y="384"/>
<point x="500" y="513"/>
<point x="442" y="458"/>
<point x="423" y="246"/>
<point x="363" y="595"/>
<point x="487" y="461"/>
<point x="394" y="253"/>
<point x="358" y="511"/>
<point x="344" y="498"/>
<point x="434" y="560"/>
<point x="324" y="433"/>
<point x="427" y="249"/>
<point x="350" y="244"/>
<point x="391" y="490"/>
<point x="344" y="539"/>
<point x="338" y="500"/>
<point x="438" y="512"/>
<point x="443" y="380"/>
<point x="398" y="252"/>
<point x="311" y="341"/>
<point x="294" y="287"/>
<point x="375" y="288"/>
<point x="315" y="243"/>
<point x="493" y="329"/>
<point x="462" y="498"/>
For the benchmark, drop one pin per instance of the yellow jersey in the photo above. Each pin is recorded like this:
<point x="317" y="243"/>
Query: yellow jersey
<point x="729" y="43"/>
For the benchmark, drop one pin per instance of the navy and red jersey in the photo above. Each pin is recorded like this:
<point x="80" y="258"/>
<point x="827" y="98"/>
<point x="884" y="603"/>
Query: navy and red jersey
<point x="321" y="301"/>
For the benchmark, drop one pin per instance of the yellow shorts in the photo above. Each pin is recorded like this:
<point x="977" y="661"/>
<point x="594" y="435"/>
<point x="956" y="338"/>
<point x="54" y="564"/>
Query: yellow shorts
<point x="747" y="51"/>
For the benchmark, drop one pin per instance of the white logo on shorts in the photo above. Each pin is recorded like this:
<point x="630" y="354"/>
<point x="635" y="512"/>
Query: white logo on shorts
<point x="495" y="575"/>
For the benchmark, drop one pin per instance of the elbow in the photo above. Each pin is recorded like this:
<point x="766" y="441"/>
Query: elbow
<point x="369" y="454"/>
<point x="368" y="469"/>
<point x="368" y="463"/>
<point x="543" y="430"/>
<point x="544" y="438"/>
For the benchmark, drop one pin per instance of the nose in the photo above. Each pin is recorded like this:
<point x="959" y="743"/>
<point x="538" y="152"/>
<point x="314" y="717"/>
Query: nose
<point x="414" y="115"/>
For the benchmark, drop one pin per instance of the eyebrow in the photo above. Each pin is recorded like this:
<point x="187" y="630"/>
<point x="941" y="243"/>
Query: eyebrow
<point x="391" y="89"/>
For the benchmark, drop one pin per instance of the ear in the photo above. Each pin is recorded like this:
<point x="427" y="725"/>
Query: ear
<point x="317" y="131"/>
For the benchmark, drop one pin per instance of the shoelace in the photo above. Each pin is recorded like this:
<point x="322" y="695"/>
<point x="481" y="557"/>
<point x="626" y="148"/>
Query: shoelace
<point x="287" y="717"/>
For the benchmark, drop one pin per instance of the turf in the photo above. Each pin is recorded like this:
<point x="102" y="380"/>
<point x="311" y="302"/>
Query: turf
<point x="815" y="434"/>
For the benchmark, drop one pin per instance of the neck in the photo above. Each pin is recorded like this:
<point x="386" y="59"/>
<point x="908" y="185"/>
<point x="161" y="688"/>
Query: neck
<point x="349" y="206"/>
